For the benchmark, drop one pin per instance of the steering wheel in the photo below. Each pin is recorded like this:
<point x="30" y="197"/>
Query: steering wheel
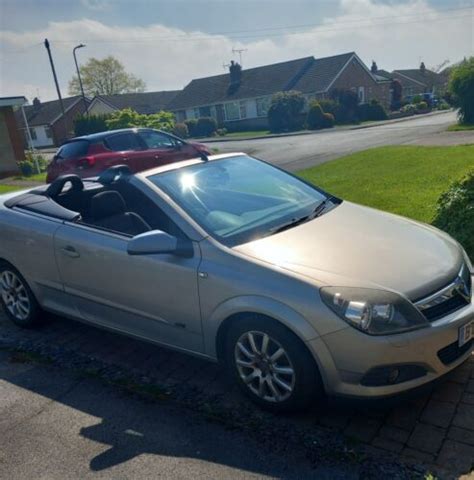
<point x="57" y="186"/>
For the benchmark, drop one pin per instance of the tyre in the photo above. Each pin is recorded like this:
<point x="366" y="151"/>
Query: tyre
<point x="272" y="365"/>
<point x="17" y="299"/>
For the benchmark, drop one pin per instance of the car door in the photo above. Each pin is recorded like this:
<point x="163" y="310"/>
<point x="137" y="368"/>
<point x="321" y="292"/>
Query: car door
<point x="154" y="297"/>
<point x="129" y="149"/>
<point x="161" y="148"/>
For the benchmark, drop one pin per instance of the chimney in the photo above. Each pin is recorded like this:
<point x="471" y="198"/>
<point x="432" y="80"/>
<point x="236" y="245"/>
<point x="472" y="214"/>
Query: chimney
<point x="374" y="67"/>
<point x="235" y="73"/>
<point x="36" y="103"/>
<point x="422" y="67"/>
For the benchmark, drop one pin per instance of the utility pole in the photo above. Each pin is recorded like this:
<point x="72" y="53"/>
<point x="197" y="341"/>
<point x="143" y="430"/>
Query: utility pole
<point x="239" y="51"/>
<point x="46" y="44"/>
<point x="30" y="139"/>
<point x="79" y="75"/>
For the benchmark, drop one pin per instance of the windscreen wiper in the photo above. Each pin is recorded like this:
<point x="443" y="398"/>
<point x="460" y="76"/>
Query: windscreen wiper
<point x="317" y="211"/>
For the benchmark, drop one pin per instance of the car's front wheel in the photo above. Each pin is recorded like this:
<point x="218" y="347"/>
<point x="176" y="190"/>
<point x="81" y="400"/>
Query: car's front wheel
<point x="272" y="365"/>
<point x="17" y="299"/>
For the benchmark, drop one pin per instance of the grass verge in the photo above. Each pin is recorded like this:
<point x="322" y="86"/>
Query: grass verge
<point x="459" y="127"/>
<point x="406" y="180"/>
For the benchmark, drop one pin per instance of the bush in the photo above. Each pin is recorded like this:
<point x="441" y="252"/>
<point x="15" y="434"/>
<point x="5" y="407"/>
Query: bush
<point x="206" y="127"/>
<point x="128" y="118"/>
<point x="36" y="158"/>
<point x="85" y="125"/>
<point x="181" y="130"/>
<point x="27" y="168"/>
<point x="285" y="110"/>
<point x="371" y="111"/>
<point x="314" y="119"/>
<point x="397" y="90"/>
<point x="221" y="132"/>
<point x="329" y="106"/>
<point x="443" y="106"/>
<point x="328" y="120"/>
<point x="455" y="212"/>
<point x="461" y="86"/>
<point x="191" y="124"/>
<point x="347" y="108"/>
<point x="417" y="99"/>
<point x="160" y="121"/>
<point x="409" y="108"/>
<point x="421" y="105"/>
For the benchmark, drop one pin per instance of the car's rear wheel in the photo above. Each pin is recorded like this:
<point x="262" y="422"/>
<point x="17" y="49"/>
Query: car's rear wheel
<point x="272" y="365"/>
<point x="17" y="299"/>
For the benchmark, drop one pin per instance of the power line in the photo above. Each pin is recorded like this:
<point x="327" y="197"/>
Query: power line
<point x="193" y="38"/>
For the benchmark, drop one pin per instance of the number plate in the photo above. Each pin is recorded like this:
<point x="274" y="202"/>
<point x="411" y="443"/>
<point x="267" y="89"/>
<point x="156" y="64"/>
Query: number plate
<point x="466" y="333"/>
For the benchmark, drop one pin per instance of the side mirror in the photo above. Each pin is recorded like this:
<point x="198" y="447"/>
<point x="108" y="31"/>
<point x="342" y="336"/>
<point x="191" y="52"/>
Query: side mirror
<point x="157" y="242"/>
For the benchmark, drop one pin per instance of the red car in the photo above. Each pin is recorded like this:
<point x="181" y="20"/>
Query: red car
<point x="139" y="148"/>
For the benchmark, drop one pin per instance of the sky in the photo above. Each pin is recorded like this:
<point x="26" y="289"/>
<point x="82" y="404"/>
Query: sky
<point x="167" y="43"/>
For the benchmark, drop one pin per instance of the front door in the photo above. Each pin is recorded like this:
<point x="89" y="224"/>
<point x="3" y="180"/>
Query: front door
<point x="154" y="297"/>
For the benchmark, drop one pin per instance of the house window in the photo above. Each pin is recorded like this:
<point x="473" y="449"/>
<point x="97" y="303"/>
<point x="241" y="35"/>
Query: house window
<point x="263" y="104"/>
<point x="196" y="113"/>
<point x="243" y="109"/>
<point x="232" y="111"/>
<point x="33" y="134"/>
<point x="361" y="94"/>
<point x="48" y="133"/>
<point x="205" y="111"/>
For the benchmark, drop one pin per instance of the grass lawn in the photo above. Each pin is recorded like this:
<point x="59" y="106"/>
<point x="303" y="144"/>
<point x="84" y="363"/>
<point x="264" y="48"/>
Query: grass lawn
<point x="458" y="127"/>
<point x="7" y="188"/>
<point x="253" y="133"/>
<point x="406" y="180"/>
<point x="39" y="177"/>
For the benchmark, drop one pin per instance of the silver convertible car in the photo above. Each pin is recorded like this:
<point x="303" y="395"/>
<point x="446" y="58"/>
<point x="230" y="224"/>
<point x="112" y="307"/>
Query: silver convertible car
<point x="295" y="291"/>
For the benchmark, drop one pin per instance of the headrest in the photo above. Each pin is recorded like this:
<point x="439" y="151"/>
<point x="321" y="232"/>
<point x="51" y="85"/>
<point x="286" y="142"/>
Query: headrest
<point x="106" y="204"/>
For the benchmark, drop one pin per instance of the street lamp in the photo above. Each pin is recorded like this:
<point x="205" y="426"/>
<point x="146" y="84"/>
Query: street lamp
<point x="79" y="75"/>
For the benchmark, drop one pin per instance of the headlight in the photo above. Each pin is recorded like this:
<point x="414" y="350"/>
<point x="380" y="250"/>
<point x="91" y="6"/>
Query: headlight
<point x="376" y="312"/>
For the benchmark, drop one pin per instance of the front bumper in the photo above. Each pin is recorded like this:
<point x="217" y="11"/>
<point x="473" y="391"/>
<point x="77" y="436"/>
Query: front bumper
<point x="345" y="356"/>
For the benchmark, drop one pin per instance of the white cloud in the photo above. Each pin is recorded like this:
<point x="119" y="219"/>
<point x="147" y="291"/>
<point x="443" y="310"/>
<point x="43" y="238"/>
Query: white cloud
<point x="168" y="58"/>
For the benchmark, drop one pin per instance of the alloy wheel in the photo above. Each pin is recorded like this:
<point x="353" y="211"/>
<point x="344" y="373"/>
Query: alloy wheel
<point x="14" y="295"/>
<point x="264" y="366"/>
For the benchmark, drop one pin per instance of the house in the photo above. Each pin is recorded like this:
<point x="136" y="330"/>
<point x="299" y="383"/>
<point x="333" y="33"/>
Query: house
<point x="48" y="126"/>
<point x="241" y="98"/>
<point x="11" y="145"/>
<point x="420" y="80"/>
<point x="145" y="103"/>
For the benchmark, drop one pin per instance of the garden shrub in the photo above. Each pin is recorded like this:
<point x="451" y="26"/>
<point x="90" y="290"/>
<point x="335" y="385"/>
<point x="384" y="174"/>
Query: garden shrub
<point x="329" y="106"/>
<point x="191" y="124"/>
<point x="87" y="124"/>
<point x="371" y="111"/>
<point x="347" y="108"/>
<point x="285" y="110"/>
<point x="328" y="120"/>
<point x="27" y="168"/>
<point x="206" y="127"/>
<point x="181" y="130"/>
<point x="314" y="119"/>
<point x="421" y="105"/>
<point x="417" y="99"/>
<point x="221" y="132"/>
<point x="455" y="212"/>
<point x="443" y="106"/>
<point x="461" y="86"/>
<point x="409" y="108"/>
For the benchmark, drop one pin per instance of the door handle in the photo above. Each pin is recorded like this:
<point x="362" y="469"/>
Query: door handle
<point x="70" y="251"/>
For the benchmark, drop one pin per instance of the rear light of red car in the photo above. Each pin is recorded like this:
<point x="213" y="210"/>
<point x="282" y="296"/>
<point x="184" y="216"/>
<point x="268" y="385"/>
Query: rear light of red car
<point x="86" y="162"/>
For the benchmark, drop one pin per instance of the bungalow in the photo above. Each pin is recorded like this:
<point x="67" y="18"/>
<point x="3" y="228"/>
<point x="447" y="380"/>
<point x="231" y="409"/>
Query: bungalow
<point x="11" y="148"/>
<point x="240" y="99"/>
<point x="421" y="80"/>
<point x="145" y="103"/>
<point x="48" y="126"/>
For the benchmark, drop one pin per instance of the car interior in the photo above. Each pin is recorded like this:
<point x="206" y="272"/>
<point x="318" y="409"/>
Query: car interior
<point x="108" y="203"/>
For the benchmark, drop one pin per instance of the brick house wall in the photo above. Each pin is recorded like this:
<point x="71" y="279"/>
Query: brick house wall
<point x="64" y="127"/>
<point x="355" y="76"/>
<point x="11" y="147"/>
<point x="409" y="87"/>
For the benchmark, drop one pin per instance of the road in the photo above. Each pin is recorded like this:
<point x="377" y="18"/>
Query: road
<point x="302" y="151"/>
<point x="55" y="425"/>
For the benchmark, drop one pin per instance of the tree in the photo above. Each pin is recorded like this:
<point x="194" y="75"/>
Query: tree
<point x="348" y="102"/>
<point x="461" y="85"/>
<point x="285" y="110"/>
<point x="315" y="117"/>
<point x="105" y="77"/>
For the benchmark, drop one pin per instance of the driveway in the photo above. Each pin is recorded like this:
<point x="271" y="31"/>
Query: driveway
<point x="303" y="151"/>
<point x="434" y="430"/>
